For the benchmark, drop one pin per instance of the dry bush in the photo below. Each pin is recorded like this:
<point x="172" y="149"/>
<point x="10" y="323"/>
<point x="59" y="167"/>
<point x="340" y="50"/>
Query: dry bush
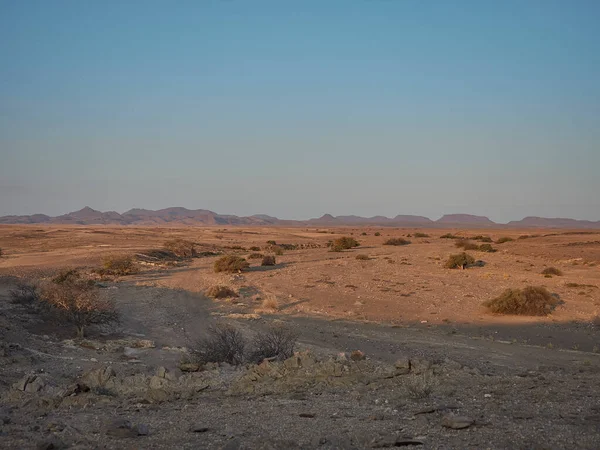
<point x="268" y="260"/>
<point x="79" y="302"/>
<point x="481" y="238"/>
<point x="552" y="271"/>
<point x="419" y="386"/>
<point x="271" y="243"/>
<point x="464" y="244"/>
<point x="396" y="241"/>
<point x="459" y="261"/>
<point x="362" y="257"/>
<point x="231" y="264"/>
<point x="223" y="344"/>
<point x="254" y="248"/>
<point x="67" y="276"/>
<point x="118" y="265"/>
<point x="1" y="253"/>
<point x="421" y="235"/>
<point x="181" y="248"/>
<point x="276" y="343"/>
<point x="487" y="248"/>
<point x="344" y="243"/>
<point x="504" y="239"/>
<point x="275" y="249"/>
<point x="221" y="292"/>
<point x="363" y="233"/>
<point x="25" y="293"/>
<point x="270" y="303"/>
<point x="530" y="301"/>
<point x="256" y="256"/>
<point x="449" y="236"/>
<point x="377" y="233"/>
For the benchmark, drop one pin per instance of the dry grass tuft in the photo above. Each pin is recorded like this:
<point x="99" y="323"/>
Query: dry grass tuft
<point x="231" y="264"/>
<point x="504" y="239"/>
<point x="362" y="257"/>
<point x="552" y="271"/>
<point x="221" y="292"/>
<point x="459" y="261"/>
<point x="344" y="243"/>
<point x="396" y="241"/>
<point x="270" y="303"/>
<point x="268" y="260"/>
<point x="530" y="301"/>
<point x="118" y="265"/>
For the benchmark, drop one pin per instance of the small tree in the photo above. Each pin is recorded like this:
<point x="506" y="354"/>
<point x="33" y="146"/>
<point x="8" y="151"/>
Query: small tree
<point x="79" y="303"/>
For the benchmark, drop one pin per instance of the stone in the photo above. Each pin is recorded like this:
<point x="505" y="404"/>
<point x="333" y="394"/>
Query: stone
<point x="142" y="429"/>
<point x="36" y="385"/>
<point x="189" y="367"/>
<point x="121" y="428"/>
<point x="357" y="355"/>
<point x="98" y="377"/>
<point x="22" y="383"/>
<point x="199" y="429"/>
<point x="456" y="422"/>
<point x="402" y="366"/>
<point x="161" y="372"/>
<point x="307" y="415"/>
<point x="419" y="366"/>
<point x="156" y="396"/>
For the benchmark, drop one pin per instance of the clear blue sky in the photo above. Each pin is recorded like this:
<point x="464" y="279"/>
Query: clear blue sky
<point x="298" y="108"/>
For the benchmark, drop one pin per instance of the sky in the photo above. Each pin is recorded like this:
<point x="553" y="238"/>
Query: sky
<point x="300" y="108"/>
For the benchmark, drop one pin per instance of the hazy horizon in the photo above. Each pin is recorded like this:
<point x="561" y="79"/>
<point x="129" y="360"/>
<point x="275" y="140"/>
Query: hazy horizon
<point x="297" y="109"/>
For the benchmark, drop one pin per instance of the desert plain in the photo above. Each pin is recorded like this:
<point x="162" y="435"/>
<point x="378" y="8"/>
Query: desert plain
<point x="393" y="348"/>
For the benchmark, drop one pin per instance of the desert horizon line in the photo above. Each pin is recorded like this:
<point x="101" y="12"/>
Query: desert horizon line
<point x="88" y="215"/>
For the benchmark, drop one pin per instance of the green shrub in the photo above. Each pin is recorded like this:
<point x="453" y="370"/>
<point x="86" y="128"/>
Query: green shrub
<point x="504" y="239"/>
<point x="344" y="243"/>
<point x="221" y="292"/>
<point x="268" y="260"/>
<point x="530" y="301"/>
<point x="552" y="271"/>
<point x="459" y="261"/>
<point x="230" y="263"/>
<point x="362" y="257"/>
<point x="181" y="248"/>
<point x="421" y="235"/>
<point x="396" y="241"/>
<point x="487" y="248"/>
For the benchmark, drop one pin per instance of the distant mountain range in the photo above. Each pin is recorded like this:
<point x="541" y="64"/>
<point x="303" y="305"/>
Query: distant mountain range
<point x="198" y="217"/>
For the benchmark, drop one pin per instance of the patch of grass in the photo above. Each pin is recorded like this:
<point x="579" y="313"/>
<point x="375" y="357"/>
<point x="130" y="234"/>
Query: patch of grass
<point x="268" y="260"/>
<point x="221" y="292"/>
<point x="397" y="241"/>
<point x="421" y="235"/>
<point x="530" y="301"/>
<point x="504" y="239"/>
<point x="459" y="261"/>
<point x="419" y="386"/>
<point x="362" y="257"/>
<point x="256" y="256"/>
<point x="270" y="303"/>
<point x="230" y="264"/>
<point x="552" y="271"/>
<point x="344" y="243"/>
<point x="181" y="248"/>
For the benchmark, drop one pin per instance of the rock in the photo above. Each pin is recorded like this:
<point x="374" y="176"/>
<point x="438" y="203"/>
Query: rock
<point x="456" y="422"/>
<point x="234" y="444"/>
<point x="307" y="415"/>
<point x="121" y="428"/>
<point x="357" y="355"/>
<point x="157" y="396"/>
<point x="199" y="429"/>
<point x="402" y="366"/>
<point x="419" y="366"/>
<point x="22" y="383"/>
<point x="132" y="353"/>
<point x="36" y="385"/>
<point x="333" y="443"/>
<point x="98" y="377"/>
<point x="75" y="388"/>
<point x="52" y="443"/>
<point x="142" y="429"/>
<point x="161" y="372"/>
<point x="189" y="367"/>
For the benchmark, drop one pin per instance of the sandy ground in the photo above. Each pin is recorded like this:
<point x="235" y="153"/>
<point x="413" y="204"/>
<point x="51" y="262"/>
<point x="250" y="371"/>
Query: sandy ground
<point x="529" y="383"/>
